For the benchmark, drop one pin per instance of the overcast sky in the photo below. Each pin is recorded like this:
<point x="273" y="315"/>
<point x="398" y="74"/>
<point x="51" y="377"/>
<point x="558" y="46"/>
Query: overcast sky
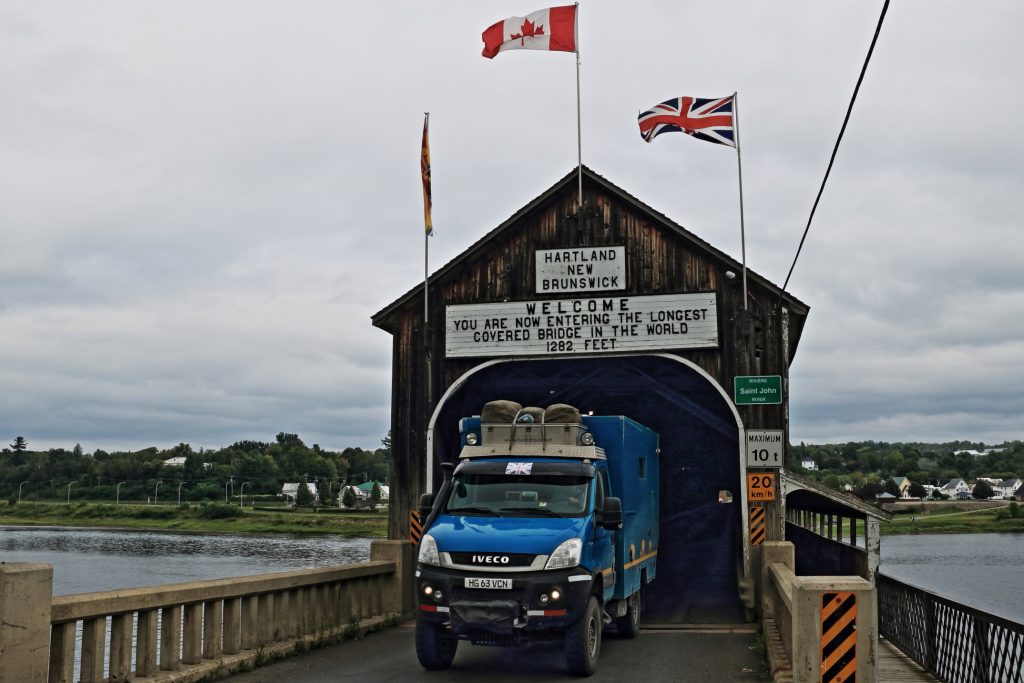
<point x="204" y="201"/>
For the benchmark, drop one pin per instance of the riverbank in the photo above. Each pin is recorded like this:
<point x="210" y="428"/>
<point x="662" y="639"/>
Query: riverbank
<point x="202" y="518"/>
<point x="954" y="518"/>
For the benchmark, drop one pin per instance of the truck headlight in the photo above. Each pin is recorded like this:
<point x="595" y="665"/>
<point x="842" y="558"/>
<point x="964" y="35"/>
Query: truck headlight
<point x="566" y="555"/>
<point x="428" y="550"/>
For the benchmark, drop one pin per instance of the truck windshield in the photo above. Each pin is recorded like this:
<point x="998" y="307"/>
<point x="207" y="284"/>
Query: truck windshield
<point x="519" y="496"/>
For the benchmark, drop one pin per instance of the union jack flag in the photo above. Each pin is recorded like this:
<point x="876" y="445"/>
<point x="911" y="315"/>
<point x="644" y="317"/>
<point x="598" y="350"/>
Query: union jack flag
<point x="518" y="468"/>
<point x="704" y="119"/>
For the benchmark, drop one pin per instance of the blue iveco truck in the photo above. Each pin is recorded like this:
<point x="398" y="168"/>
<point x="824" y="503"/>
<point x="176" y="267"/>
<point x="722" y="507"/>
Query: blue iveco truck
<point x="546" y="529"/>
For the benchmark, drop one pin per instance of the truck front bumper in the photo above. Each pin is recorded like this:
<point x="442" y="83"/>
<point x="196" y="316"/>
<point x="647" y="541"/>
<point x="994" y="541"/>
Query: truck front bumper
<point x="539" y="605"/>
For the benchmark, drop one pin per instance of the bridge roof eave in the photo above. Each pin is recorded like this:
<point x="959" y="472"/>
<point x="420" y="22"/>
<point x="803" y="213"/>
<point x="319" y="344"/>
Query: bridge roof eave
<point x="810" y="495"/>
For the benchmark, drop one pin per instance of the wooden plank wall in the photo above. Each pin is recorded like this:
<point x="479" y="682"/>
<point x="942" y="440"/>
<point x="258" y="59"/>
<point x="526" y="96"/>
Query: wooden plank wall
<point x="659" y="261"/>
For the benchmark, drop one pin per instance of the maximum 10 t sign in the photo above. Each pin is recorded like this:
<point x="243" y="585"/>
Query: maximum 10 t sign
<point x="765" y="447"/>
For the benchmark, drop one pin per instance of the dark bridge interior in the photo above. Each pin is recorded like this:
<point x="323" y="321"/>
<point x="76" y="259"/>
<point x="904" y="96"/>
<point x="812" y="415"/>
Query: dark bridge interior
<point x="700" y="549"/>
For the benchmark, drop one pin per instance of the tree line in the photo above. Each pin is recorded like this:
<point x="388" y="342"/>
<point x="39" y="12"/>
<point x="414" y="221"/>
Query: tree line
<point x="869" y="463"/>
<point x="249" y="467"/>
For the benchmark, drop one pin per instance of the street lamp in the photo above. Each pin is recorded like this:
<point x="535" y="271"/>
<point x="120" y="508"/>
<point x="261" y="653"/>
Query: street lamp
<point x="156" y="492"/>
<point x="231" y="483"/>
<point x="19" y="490"/>
<point x="241" y="494"/>
<point x="69" y="491"/>
<point x="117" y="492"/>
<point x="179" y="492"/>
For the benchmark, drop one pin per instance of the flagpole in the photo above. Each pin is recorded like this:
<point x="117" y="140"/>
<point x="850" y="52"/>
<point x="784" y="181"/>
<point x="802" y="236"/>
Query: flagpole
<point x="429" y="228"/>
<point x="579" y="133"/>
<point x="739" y="168"/>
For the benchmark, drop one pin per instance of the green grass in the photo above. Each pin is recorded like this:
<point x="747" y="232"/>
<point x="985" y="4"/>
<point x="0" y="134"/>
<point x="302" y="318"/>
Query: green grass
<point x="952" y="520"/>
<point x="209" y="517"/>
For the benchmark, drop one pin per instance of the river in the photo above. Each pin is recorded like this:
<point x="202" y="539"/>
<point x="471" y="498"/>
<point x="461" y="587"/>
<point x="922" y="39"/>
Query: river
<point x="983" y="571"/>
<point x="86" y="560"/>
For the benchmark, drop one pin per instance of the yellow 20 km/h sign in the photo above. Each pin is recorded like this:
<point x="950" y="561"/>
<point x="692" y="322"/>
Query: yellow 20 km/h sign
<point x="760" y="486"/>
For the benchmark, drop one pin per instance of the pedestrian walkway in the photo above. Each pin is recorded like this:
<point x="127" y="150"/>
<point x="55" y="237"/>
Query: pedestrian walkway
<point x="896" y="667"/>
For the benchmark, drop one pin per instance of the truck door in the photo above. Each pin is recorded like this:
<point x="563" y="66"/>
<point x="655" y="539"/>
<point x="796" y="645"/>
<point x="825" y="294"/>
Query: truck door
<point x="604" y="540"/>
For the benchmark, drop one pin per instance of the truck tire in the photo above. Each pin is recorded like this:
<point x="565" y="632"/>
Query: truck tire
<point x="434" y="647"/>
<point x="583" y="641"/>
<point x="628" y="625"/>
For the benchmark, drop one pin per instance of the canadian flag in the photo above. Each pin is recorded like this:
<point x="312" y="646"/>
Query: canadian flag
<point x="553" y="28"/>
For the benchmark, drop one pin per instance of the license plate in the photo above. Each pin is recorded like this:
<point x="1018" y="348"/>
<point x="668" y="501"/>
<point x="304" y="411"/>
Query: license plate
<point x="480" y="582"/>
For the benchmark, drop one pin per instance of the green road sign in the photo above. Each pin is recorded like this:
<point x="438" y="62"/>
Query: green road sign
<point x="757" y="390"/>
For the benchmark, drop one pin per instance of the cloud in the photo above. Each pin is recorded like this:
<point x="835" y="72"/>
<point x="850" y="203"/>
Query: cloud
<point x="204" y="204"/>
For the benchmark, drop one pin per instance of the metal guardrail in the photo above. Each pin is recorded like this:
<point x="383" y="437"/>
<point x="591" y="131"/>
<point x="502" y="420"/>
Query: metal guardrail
<point x="950" y="640"/>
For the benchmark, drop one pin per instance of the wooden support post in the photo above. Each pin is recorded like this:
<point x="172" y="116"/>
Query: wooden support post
<point x="170" y="638"/>
<point x="232" y="626"/>
<point x="145" y="643"/>
<point x="121" y="648"/>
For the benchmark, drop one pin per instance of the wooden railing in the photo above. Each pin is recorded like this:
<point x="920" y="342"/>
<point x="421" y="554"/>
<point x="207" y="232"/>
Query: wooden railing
<point x="199" y="628"/>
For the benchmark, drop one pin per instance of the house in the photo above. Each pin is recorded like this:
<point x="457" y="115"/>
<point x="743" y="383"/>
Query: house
<point x="1007" y="487"/>
<point x="903" y="484"/>
<point x="1019" y="494"/>
<point x="291" y="491"/>
<point x="809" y="464"/>
<point x="977" y="454"/>
<point x="885" y="497"/>
<point x="929" y="489"/>
<point x="957" y="489"/>
<point x="367" y="488"/>
<point x="178" y="461"/>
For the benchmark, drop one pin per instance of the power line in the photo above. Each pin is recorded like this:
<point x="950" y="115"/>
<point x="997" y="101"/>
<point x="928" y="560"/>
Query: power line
<point x="835" y="150"/>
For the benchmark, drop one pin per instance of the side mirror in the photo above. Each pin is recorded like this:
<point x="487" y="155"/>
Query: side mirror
<point x="611" y="514"/>
<point x="426" y="505"/>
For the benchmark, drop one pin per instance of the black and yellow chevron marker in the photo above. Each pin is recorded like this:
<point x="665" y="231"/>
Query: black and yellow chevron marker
<point x="415" y="528"/>
<point x="756" y="525"/>
<point x="838" y="637"/>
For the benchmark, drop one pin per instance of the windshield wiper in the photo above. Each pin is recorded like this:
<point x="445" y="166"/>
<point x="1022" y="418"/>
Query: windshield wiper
<point x="546" y="512"/>
<point x="475" y="510"/>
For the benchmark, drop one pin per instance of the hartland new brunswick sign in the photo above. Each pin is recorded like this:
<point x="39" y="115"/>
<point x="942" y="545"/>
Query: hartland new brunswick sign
<point x="584" y="325"/>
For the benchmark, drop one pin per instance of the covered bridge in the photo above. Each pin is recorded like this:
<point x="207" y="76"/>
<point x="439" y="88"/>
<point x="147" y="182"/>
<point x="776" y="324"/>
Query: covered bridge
<point x="616" y="309"/>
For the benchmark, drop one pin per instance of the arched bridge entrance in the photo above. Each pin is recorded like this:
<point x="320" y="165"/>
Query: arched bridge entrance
<point x="700" y="557"/>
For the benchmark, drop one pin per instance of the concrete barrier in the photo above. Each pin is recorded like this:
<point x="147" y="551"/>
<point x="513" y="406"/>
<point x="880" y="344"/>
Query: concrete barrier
<point x="24" y="621"/>
<point x="817" y="628"/>
<point x="188" y="631"/>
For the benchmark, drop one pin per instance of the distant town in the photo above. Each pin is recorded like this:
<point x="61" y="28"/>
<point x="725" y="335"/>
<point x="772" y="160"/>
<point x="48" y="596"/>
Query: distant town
<point x="886" y="472"/>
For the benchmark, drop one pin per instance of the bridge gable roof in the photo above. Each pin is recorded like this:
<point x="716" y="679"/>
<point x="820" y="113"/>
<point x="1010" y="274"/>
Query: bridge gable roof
<point x="385" y="318"/>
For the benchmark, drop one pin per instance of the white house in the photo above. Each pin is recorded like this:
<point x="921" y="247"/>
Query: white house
<point x="1007" y="487"/>
<point x="957" y="489"/>
<point x="178" y="461"/>
<point x="291" y="491"/>
<point x="809" y="464"/>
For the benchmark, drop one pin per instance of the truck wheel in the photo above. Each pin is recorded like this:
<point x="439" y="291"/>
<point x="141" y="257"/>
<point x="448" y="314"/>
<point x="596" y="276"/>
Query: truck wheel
<point x="434" y="647"/>
<point x="628" y="624"/>
<point x="583" y="641"/>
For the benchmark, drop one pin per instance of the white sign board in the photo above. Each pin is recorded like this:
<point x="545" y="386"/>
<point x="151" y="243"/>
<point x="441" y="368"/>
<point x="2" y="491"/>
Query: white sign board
<point x="591" y="269"/>
<point x="593" y="325"/>
<point x="765" y="447"/>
